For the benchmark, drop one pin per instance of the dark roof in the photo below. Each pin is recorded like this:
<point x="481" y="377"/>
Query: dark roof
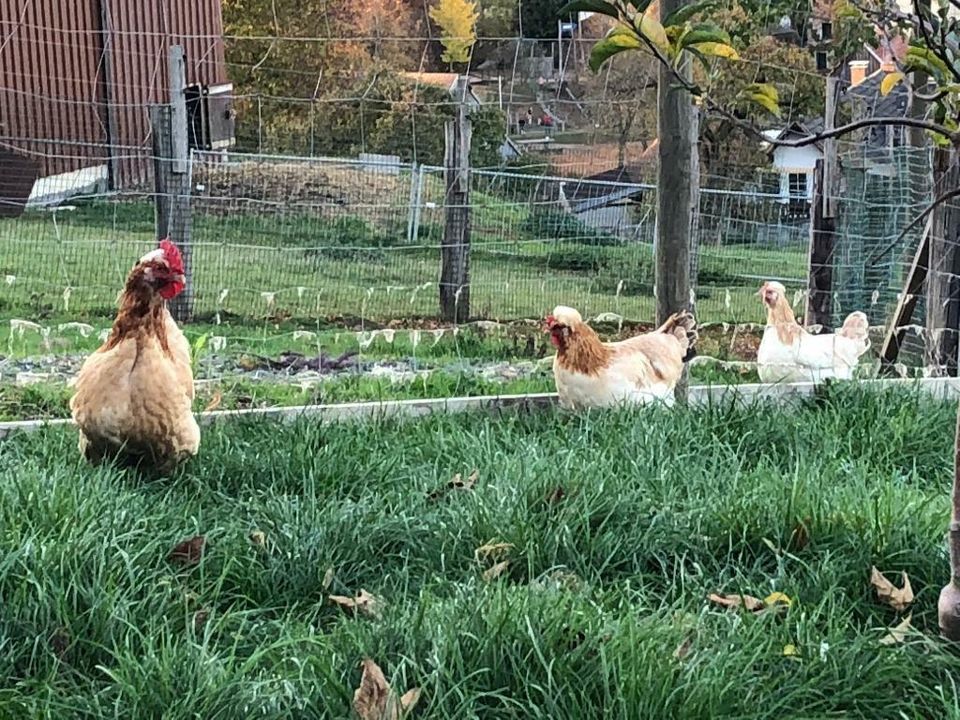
<point x="583" y="195"/>
<point x="801" y="129"/>
<point x="871" y="103"/>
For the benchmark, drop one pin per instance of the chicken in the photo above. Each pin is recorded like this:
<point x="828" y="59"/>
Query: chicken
<point x="133" y="397"/>
<point x="788" y="353"/>
<point x="590" y="373"/>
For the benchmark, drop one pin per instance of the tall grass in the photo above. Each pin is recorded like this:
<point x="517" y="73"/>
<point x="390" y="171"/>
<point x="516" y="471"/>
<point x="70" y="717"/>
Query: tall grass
<point x="620" y="524"/>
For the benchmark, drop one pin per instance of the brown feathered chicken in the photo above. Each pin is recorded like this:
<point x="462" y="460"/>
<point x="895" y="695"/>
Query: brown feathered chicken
<point x="133" y="397"/>
<point x="590" y="373"/>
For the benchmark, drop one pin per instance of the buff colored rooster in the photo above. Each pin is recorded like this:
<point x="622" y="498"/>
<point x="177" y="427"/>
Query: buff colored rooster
<point x="788" y="353"/>
<point x="133" y="397"/>
<point x="590" y="373"/>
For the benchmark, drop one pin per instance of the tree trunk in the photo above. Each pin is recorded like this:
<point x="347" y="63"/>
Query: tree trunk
<point x="678" y="179"/>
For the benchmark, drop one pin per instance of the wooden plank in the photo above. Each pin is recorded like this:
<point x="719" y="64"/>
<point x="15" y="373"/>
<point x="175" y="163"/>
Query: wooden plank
<point x="907" y="301"/>
<point x="943" y="269"/>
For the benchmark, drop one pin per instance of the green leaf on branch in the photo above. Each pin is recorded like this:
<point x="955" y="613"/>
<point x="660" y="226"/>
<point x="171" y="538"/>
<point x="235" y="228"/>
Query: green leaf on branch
<point x="595" y="6"/>
<point x="619" y="39"/>
<point x="889" y="82"/>
<point x="650" y="28"/>
<point x="763" y="94"/>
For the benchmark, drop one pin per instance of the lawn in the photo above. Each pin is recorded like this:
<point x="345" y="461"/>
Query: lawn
<point x="358" y="263"/>
<point x="616" y="526"/>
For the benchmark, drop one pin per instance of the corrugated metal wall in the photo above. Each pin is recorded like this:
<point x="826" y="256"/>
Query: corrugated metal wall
<point x="51" y="99"/>
<point x="80" y="74"/>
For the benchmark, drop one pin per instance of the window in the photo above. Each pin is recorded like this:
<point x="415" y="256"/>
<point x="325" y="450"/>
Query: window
<point x="797" y="185"/>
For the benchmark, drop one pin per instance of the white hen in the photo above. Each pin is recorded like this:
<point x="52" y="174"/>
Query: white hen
<point x="788" y="353"/>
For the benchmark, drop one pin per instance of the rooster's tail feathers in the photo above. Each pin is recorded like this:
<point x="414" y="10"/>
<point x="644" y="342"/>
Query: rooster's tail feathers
<point x="683" y="326"/>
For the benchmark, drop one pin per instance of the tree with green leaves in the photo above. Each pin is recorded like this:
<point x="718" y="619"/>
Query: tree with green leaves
<point x="458" y="25"/>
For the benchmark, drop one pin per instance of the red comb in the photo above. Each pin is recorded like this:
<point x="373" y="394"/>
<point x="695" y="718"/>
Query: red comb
<point x="172" y="255"/>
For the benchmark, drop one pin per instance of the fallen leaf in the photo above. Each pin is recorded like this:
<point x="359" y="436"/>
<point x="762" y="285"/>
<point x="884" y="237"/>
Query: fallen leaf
<point x="897" y="598"/>
<point x="189" y="552"/>
<point x="800" y="537"/>
<point x="258" y="538"/>
<point x="214" y="402"/>
<point x="734" y="601"/>
<point x="777" y="598"/>
<point x="364" y="603"/>
<point x="790" y="651"/>
<point x="375" y="700"/>
<point x="898" y="633"/>
<point x="496" y="571"/>
<point x="491" y="550"/>
<point x="556" y="495"/>
<point x="456" y="483"/>
<point x="327" y="579"/>
<point x="683" y="649"/>
<point x="60" y="642"/>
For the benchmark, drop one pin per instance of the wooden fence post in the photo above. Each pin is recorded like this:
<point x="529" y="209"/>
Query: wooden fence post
<point x="943" y="306"/>
<point x="171" y="162"/>
<point x="455" y="250"/>
<point x="820" y="275"/>
<point x="678" y="182"/>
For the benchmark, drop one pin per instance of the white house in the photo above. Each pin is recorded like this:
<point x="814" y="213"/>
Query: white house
<point x="795" y="165"/>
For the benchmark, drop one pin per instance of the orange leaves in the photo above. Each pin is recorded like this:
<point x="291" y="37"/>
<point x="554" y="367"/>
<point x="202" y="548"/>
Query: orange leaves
<point x="376" y="700"/>
<point x="897" y="598"/>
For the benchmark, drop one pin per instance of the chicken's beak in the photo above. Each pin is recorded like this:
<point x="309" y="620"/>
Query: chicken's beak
<point x="548" y="323"/>
<point x="178" y="278"/>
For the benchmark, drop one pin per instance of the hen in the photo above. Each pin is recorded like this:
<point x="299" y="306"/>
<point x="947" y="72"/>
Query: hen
<point x="590" y="373"/>
<point x="133" y="397"/>
<point x="788" y="353"/>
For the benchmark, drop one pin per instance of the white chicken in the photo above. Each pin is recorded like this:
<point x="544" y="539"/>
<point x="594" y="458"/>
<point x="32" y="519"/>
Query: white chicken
<point x="788" y="353"/>
<point x="590" y="373"/>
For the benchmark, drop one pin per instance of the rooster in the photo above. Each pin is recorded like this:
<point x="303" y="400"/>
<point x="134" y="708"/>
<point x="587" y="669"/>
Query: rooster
<point x="590" y="373"/>
<point x="133" y="397"/>
<point x="788" y="353"/>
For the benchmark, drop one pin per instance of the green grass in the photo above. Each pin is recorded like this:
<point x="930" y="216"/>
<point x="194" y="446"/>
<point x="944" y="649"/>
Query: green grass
<point x="258" y="266"/>
<point x="658" y="509"/>
<point x="451" y="366"/>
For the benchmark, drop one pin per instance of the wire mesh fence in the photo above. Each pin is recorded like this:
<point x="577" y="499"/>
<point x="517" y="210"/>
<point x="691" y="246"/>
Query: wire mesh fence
<point x="303" y="237"/>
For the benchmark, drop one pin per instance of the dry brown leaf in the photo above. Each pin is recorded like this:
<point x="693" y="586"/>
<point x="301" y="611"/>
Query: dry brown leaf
<point x="556" y="495"/>
<point x="375" y="700"/>
<point x="364" y="603"/>
<point x="189" y="552"/>
<point x="456" y="483"/>
<point x="683" y="649"/>
<point x="897" y="598"/>
<point x="800" y="537"/>
<point x="496" y="571"/>
<point x="327" y="579"/>
<point x="491" y="551"/>
<point x="735" y="601"/>
<point x="258" y="538"/>
<point x="60" y="642"/>
<point x="214" y="402"/>
<point x="898" y="633"/>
